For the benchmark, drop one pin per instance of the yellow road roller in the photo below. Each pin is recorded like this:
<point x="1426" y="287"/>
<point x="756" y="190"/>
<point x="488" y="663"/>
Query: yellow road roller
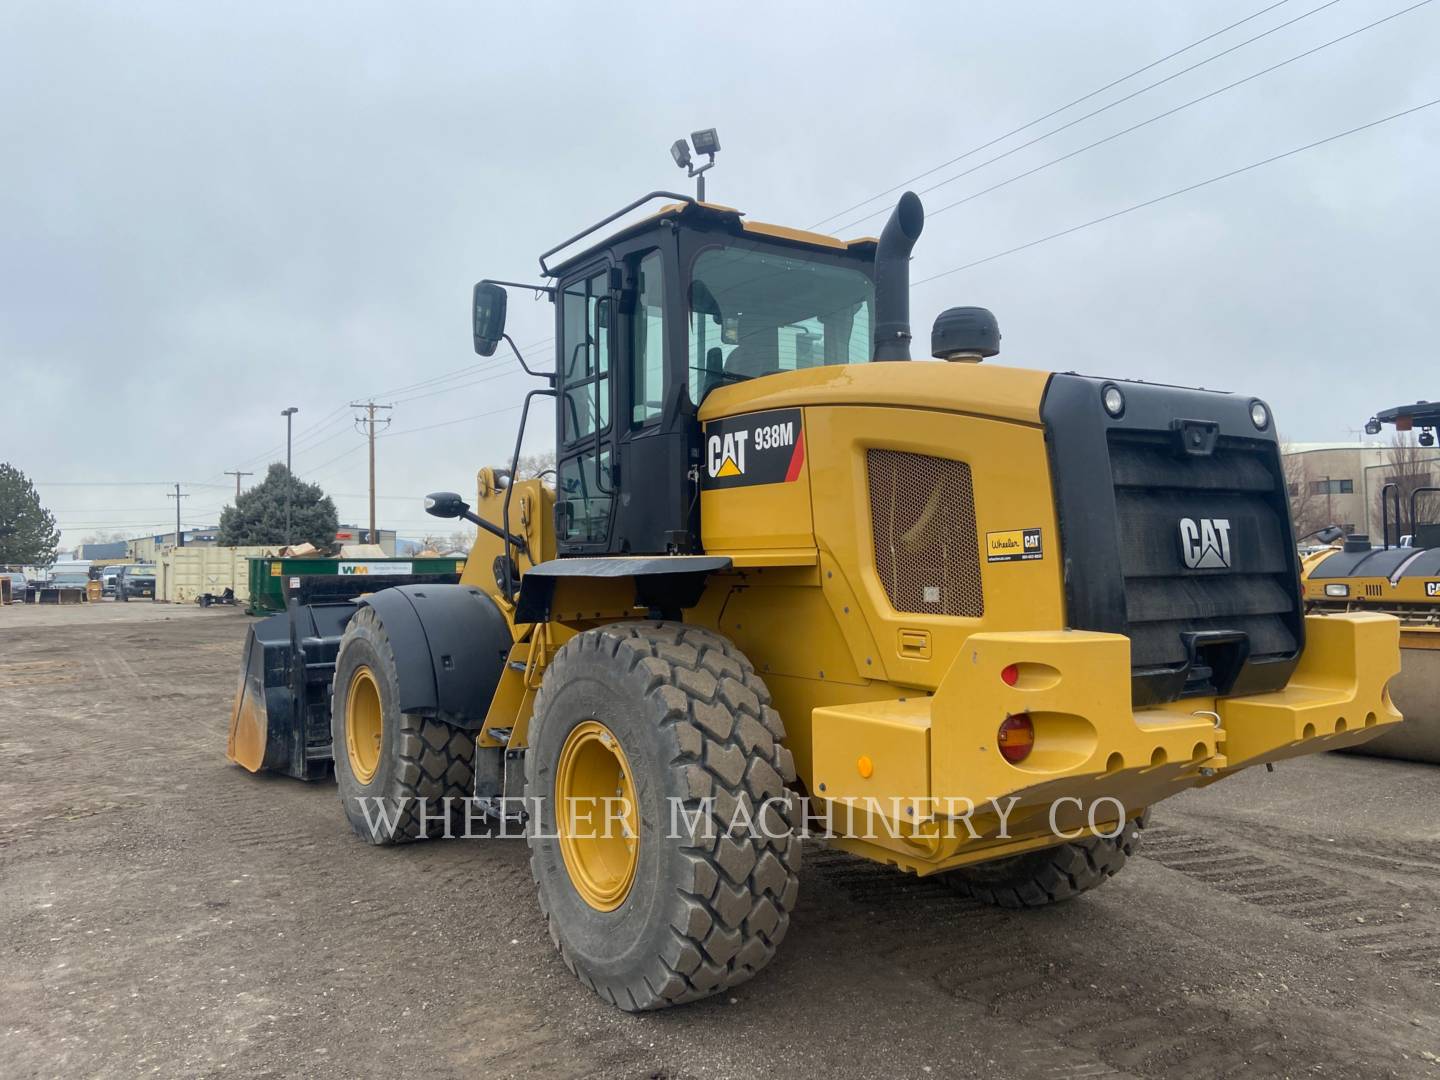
<point x="962" y="619"/>
<point x="1399" y="576"/>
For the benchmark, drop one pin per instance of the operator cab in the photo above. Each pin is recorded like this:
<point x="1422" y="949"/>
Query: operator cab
<point x="650" y="321"/>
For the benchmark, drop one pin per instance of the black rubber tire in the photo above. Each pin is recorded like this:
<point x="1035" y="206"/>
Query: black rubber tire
<point x="1049" y="875"/>
<point x="703" y="914"/>
<point x="423" y="761"/>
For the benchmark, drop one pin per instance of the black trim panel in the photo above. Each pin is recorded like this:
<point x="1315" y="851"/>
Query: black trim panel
<point x="1122" y="486"/>
<point x="681" y="577"/>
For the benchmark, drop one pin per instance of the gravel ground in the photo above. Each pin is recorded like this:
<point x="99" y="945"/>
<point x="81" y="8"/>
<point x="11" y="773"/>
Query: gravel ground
<point x="164" y="912"/>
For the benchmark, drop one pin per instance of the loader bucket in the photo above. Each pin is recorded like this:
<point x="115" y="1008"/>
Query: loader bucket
<point x="281" y="717"/>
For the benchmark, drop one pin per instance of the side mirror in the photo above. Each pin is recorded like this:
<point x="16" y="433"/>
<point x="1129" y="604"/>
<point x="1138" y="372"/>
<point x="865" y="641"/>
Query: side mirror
<point x="1330" y="534"/>
<point x="446" y="504"/>
<point x="489" y="317"/>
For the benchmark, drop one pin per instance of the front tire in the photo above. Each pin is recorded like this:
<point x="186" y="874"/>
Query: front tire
<point x="677" y="720"/>
<point x="394" y="770"/>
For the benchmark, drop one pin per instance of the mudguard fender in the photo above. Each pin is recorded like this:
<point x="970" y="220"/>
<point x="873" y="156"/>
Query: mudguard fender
<point x="450" y="644"/>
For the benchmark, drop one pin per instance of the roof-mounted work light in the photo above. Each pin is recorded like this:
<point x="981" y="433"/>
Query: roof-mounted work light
<point x="706" y="142"/>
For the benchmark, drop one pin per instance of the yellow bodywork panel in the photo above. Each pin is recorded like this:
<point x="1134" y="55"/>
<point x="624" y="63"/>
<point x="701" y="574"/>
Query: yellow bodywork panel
<point x="873" y="749"/>
<point x="1337" y="697"/>
<point x="989" y="391"/>
<point x="532" y="516"/>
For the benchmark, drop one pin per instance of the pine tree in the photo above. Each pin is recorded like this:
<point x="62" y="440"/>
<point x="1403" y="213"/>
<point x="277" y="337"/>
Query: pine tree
<point x="258" y="516"/>
<point x="28" y="535"/>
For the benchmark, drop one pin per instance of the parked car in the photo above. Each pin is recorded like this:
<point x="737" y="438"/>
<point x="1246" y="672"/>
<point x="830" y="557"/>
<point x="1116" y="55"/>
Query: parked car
<point x="136" y="580"/>
<point x="108" y="576"/>
<point x="18" y="585"/>
<point x="68" y="576"/>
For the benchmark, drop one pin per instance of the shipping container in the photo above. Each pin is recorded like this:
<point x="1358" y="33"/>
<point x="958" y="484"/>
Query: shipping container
<point x="183" y="574"/>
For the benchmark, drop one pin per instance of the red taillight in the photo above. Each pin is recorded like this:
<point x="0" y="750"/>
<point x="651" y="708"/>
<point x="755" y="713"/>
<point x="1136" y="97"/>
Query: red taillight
<point x="1010" y="674"/>
<point x="1016" y="738"/>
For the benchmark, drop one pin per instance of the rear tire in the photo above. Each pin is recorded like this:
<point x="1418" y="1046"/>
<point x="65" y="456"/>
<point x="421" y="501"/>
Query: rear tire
<point x="1050" y="875"/>
<point x="701" y="906"/>
<point x="402" y="773"/>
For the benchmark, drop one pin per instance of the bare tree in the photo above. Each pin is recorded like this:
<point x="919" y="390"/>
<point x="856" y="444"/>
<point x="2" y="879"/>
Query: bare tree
<point x="1308" y="512"/>
<point x="541" y="464"/>
<point x="460" y="540"/>
<point x="1408" y="466"/>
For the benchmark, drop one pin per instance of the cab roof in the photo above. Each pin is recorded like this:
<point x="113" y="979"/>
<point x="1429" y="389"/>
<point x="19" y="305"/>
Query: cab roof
<point x="701" y="214"/>
<point x="1404" y="417"/>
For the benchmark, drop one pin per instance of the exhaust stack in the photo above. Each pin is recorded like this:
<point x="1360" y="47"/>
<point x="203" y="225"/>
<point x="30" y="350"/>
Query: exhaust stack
<point x="892" y="278"/>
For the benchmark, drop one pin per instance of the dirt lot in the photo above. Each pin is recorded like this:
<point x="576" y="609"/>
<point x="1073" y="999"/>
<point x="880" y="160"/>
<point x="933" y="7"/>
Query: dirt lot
<point x="164" y="912"/>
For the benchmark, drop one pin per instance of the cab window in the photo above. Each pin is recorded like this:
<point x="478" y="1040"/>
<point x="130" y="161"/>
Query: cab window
<point x="647" y="353"/>
<point x="755" y="312"/>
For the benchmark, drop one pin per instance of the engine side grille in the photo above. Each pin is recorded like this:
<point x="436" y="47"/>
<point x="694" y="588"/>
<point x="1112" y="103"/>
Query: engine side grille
<point x="922" y="516"/>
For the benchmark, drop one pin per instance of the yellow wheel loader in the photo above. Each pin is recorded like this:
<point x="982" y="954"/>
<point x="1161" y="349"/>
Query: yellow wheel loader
<point x="1400" y="576"/>
<point x="959" y="618"/>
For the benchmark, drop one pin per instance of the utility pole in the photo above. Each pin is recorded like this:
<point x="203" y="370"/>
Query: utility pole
<point x="179" y="536"/>
<point x="237" y="474"/>
<point x="369" y="421"/>
<point x="289" y="415"/>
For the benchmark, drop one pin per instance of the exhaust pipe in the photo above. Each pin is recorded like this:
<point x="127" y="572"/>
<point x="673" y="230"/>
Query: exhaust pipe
<point x="892" y="278"/>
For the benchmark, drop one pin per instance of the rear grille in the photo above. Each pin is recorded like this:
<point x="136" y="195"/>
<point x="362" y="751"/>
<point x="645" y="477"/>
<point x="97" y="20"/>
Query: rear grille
<point x="1175" y="531"/>
<point x="1154" y="489"/>
<point x="922" y="516"/>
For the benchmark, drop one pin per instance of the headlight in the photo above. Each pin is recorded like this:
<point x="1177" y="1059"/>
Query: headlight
<point x="1337" y="590"/>
<point x="1259" y="415"/>
<point x="1113" y="400"/>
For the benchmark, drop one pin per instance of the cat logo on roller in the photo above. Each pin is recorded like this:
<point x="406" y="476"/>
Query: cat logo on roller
<point x="761" y="448"/>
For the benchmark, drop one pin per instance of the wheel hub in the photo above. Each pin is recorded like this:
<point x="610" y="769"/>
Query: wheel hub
<point x="596" y="816"/>
<point x="364" y="724"/>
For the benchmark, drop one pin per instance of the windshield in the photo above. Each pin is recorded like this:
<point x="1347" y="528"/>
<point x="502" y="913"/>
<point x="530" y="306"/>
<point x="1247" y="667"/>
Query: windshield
<point x="754" y="312"/>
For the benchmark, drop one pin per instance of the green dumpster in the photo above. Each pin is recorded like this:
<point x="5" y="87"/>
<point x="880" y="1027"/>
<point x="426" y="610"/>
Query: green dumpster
<point x="337" y="579"/>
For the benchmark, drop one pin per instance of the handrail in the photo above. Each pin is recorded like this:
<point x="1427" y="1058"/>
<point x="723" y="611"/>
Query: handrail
<point x="1385" y="514"/>
<point x="1414" y="495"/>
<point x="607" y="220"/>
<point x="509" y="566"/>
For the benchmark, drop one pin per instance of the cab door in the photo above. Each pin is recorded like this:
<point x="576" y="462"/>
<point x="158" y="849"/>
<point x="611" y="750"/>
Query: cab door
<point x="585" y="492"/>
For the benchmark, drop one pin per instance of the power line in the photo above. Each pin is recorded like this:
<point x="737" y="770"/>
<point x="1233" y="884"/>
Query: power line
<point x="1178" y="108"/>
<point x="1051" y="113"/>
<point x="1093" y="113"/>
<point x="1180" y="191"/>
<point x="450" y="423"/>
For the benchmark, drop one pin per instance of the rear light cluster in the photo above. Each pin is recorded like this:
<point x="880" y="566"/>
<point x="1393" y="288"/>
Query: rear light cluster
<point x="1016" y="738"/>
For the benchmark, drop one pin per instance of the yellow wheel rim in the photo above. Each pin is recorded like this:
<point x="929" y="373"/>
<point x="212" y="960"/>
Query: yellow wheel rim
<point x="364" y="724"/>
<point x="595" y="816"/>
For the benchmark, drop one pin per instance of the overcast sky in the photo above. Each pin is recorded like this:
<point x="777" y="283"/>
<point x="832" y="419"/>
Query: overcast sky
<point x="211" y="212"/>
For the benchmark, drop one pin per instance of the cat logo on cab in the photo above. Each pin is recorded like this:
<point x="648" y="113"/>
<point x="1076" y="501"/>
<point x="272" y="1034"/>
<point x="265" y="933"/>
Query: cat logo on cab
<point x="762" y="448"/>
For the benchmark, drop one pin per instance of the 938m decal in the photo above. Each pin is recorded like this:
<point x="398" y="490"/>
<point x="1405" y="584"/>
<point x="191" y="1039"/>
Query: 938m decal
<point x="761" y="448"/>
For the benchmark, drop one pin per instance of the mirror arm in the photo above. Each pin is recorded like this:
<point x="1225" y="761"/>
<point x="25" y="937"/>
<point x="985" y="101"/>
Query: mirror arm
<point x="548" y="290"/>
<point x="494" y="530"/>
<point x="547" y="375"/>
